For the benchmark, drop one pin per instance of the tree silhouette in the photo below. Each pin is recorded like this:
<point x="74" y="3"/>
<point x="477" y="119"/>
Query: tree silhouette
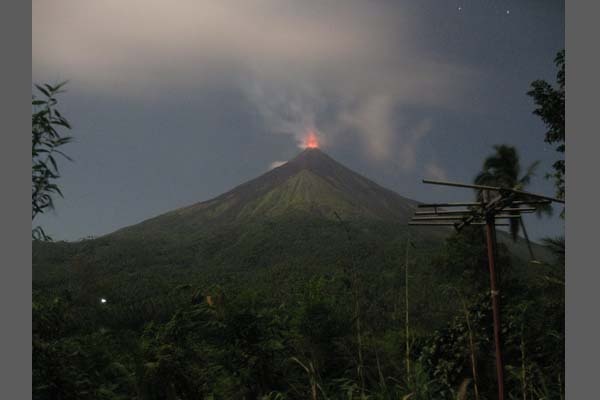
<point x="45" y="143"/>
<point x="503" y="169"/>
<point x="550" y="103"/>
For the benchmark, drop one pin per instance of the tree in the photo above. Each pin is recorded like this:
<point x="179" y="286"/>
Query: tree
<point x="503" y="169"/>
<point x="550" y="103"/>
<point x="45" y="143"/>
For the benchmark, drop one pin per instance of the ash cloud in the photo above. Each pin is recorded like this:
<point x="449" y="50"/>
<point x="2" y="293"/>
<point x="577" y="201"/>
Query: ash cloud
<point x="352" y="69"/>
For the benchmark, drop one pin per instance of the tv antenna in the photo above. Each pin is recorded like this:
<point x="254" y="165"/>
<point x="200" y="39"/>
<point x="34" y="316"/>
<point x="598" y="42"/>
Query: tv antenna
<point x="497" y="203"/>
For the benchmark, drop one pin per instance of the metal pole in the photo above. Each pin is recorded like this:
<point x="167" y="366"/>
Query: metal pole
<point x="506" y="199"/>
<point x="406" y="311"/>
<point x="491" y="250"/>
<point x="493" y="189"/>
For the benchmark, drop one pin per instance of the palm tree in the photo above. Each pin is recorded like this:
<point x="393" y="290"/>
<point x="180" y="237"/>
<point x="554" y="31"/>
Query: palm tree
<point x="503" y="169"/>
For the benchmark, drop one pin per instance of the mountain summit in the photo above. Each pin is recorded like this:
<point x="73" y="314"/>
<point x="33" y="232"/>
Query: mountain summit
<point x="311" y="184"/>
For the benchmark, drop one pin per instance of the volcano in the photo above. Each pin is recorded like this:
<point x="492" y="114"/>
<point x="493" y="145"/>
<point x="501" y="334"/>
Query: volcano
<point x="307" y="217"/>
<point x="311" y="185"/>
<point x="294" y="208"/>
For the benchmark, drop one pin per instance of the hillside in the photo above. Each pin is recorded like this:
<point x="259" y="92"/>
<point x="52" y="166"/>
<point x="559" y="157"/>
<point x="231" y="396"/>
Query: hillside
<point x="297" y="214"/>
<point x="266" y="274"/>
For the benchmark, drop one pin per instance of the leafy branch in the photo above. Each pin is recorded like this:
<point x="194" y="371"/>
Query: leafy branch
<point x="46" y="141"/>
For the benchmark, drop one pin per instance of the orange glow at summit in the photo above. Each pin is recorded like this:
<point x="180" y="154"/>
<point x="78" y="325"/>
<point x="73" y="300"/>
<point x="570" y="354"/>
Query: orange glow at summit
<point x="311" y="141"/>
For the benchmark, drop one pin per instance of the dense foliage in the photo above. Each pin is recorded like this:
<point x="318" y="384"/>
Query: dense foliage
<point x="273" y="320"/>
<point x="550" y="102"/>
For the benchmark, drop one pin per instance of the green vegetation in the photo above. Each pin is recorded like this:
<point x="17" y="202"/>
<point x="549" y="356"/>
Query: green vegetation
<point x="46" y="141"/>
<point x="550" y="104"/>
<point x="272" y="311"/>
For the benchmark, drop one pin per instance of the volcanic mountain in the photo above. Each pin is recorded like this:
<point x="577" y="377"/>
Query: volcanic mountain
<point x="281" y="226"/>
<point x="310" y="185"/>
<point x="293" y="208"/>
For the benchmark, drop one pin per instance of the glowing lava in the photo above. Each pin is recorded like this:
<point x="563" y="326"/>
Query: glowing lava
<point x="311" y="141"/>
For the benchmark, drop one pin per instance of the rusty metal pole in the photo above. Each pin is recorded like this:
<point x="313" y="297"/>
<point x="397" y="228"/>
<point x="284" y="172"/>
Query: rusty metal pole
<point x="406" y="311"/>
<point x="491" y="250"/>
<point x="506" y="199"/>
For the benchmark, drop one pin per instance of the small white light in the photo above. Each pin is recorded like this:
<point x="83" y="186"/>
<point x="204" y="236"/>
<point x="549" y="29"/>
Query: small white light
<point x="508" y="11"/>
<point x="102" y="300"/>
<point x="459" y="8"/>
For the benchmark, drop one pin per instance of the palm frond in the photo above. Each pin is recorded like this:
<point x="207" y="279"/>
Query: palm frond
<point x="526" y="178"/>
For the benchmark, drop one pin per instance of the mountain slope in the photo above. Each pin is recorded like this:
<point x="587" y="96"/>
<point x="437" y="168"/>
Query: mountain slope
<point x="281" y="223"/>
<point x="312" y="184"/>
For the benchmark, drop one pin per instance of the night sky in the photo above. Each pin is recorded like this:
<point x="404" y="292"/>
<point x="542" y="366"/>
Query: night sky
<point x="176" y="102"/>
